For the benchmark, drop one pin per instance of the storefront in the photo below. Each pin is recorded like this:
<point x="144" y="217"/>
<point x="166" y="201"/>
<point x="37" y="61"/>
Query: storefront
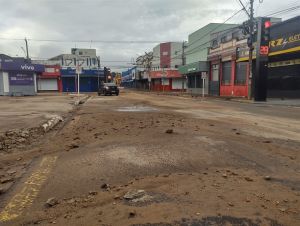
<point x="195" y="74"/>
<point x="18" y="76"/>
<point x="90" y="80"/>
<point x="284" y="60"/>
<point x="228" y="76"/>
<point x="167" y="80"/>
<point x="129" y="77"/>
<point x="50" y="80"/>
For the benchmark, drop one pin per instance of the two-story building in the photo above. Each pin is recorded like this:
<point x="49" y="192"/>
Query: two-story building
<point x="167" y="58"/>
<point x="87" y="63"/>
<point x="228" y="73"/>
<point x="196" y="52"/>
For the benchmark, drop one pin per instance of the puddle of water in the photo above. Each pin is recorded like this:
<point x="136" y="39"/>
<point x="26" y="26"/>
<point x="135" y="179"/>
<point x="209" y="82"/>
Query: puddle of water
<point x="137" y="109"/>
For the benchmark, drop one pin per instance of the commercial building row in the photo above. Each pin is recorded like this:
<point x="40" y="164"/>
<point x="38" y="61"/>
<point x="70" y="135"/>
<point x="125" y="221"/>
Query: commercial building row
<point x="218" y="53"/>
<point x="20" y="76"/>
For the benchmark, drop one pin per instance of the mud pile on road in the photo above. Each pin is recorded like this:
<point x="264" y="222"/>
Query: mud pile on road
<point x="18" y="138"/>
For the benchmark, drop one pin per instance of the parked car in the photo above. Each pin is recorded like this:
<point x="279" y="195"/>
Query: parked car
<point x="108" y="89"/>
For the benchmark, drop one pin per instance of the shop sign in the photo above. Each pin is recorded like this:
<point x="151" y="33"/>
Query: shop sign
<point x="203" y="75"/>
<point x="285" y="36"/>
<point x="17" y="66"/>
<point x="19" y="79"/>
<point x="192" y="69"/>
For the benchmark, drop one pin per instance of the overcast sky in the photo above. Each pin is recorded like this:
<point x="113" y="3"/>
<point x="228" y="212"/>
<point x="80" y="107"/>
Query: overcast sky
<point x="114" y="20"/>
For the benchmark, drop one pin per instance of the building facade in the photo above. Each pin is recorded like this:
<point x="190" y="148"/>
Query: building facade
<point x="50" y="79"/>
<point x="91" y="74"/>
<point x="90" y="80"/>
<point x="228" y="73"/>
<point x="164" y="74"/>
<point x="85" y="58"/>
<point x="284" y="59"/>
<point x="129" y="77"/>
<point x="142" y="78"/>
<point x="196" y="52"/>
<point x="18" y="76"/>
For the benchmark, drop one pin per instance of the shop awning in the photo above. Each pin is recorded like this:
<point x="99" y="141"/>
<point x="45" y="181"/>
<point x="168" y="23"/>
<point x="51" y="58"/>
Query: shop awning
<point x="194" y="67"/>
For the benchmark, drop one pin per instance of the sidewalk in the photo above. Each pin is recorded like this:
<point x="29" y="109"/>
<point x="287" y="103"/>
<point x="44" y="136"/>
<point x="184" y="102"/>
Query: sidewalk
<point x="269" y="102"/>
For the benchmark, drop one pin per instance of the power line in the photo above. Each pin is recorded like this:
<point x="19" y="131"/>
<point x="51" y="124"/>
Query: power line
<point x="87" y="41"/>
<point x="284" y="11"/>
<point x="274" y="13"/>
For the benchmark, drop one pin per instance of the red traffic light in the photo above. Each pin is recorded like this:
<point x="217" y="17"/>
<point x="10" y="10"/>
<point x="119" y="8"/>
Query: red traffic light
<point x="268" y="24"/>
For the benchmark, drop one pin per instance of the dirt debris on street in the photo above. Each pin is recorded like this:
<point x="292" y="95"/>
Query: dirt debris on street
<point x="223" y="163"/>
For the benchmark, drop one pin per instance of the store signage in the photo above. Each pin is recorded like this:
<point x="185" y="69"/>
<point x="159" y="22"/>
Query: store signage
<point x="203" y="75"/>
<point x="19" y="79"/>
<point x="192" y="69"/>
<point x="27" y="67"/>
<point x="71" y="72"/>
<point x="285" y="41"/>
<point x="285" y="36"/>
<point x="17" y="66"/>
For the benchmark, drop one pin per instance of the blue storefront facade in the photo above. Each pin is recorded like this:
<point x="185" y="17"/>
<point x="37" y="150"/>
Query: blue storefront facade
<point x="90" y="79"/>
<point x="18" y="76"/>
<point x="128" y="78"/>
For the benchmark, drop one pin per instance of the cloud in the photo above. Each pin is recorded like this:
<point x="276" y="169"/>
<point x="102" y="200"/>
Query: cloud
<point x="165" y="20"/>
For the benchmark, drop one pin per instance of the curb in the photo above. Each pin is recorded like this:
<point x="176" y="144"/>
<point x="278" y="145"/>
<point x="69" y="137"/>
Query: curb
<point x="81" y="101"/>
<point x="52" y="123"/>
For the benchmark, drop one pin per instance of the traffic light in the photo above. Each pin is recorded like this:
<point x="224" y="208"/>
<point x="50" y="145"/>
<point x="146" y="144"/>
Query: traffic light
<point x="264" y="36"/>
<point x="260" y="78"/>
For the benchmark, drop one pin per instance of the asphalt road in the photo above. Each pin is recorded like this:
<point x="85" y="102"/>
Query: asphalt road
<point x="220" y="163"/>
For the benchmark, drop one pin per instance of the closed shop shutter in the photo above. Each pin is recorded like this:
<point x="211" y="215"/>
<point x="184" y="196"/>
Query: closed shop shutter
<point x="226" y="73"/>
<point x="241" y="73"/>
<point x="215" y="73"/>
<point x="47" y="85"/>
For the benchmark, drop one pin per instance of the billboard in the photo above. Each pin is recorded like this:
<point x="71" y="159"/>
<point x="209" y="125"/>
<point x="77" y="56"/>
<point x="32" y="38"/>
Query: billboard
<point x="20" y="79"/>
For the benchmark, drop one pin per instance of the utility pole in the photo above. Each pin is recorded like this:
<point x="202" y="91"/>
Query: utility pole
<point x="251" y="23"/>
<point x="183" y="63"/>
<point x="27" y="55"/>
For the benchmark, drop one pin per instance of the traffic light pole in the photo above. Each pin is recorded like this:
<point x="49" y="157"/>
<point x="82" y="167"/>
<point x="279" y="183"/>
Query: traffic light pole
<point x="250" y="79"/>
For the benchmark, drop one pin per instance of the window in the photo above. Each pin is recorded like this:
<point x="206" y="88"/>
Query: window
<point x="226" y="38"/>
<point x="80" y="53"/>
<point x="165" y="53"/>
<point x="241" y="73"/>
<point x="226" y="73"/>
<point x="223" y="39"/>
<point x="214" y="44"/>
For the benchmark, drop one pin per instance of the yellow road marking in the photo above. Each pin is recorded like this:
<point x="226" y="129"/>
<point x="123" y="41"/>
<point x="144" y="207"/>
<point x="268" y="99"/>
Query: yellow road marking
<point x="29" y="192"/>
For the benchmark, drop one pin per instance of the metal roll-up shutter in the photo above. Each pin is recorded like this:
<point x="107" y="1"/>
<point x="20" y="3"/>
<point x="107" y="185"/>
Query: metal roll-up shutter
<point x="241" y="73"/>
<point x="226" y="73"/>
<point x="47" y="85"/>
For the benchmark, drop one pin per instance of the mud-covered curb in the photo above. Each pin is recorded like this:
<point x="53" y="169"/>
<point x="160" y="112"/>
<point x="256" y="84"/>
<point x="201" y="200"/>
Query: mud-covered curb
<point x="81" y="100"/>
<point x="52" y="123"/>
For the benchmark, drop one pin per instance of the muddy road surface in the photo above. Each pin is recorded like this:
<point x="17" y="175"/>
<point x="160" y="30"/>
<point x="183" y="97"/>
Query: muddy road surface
<point x="144" y="159"/>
